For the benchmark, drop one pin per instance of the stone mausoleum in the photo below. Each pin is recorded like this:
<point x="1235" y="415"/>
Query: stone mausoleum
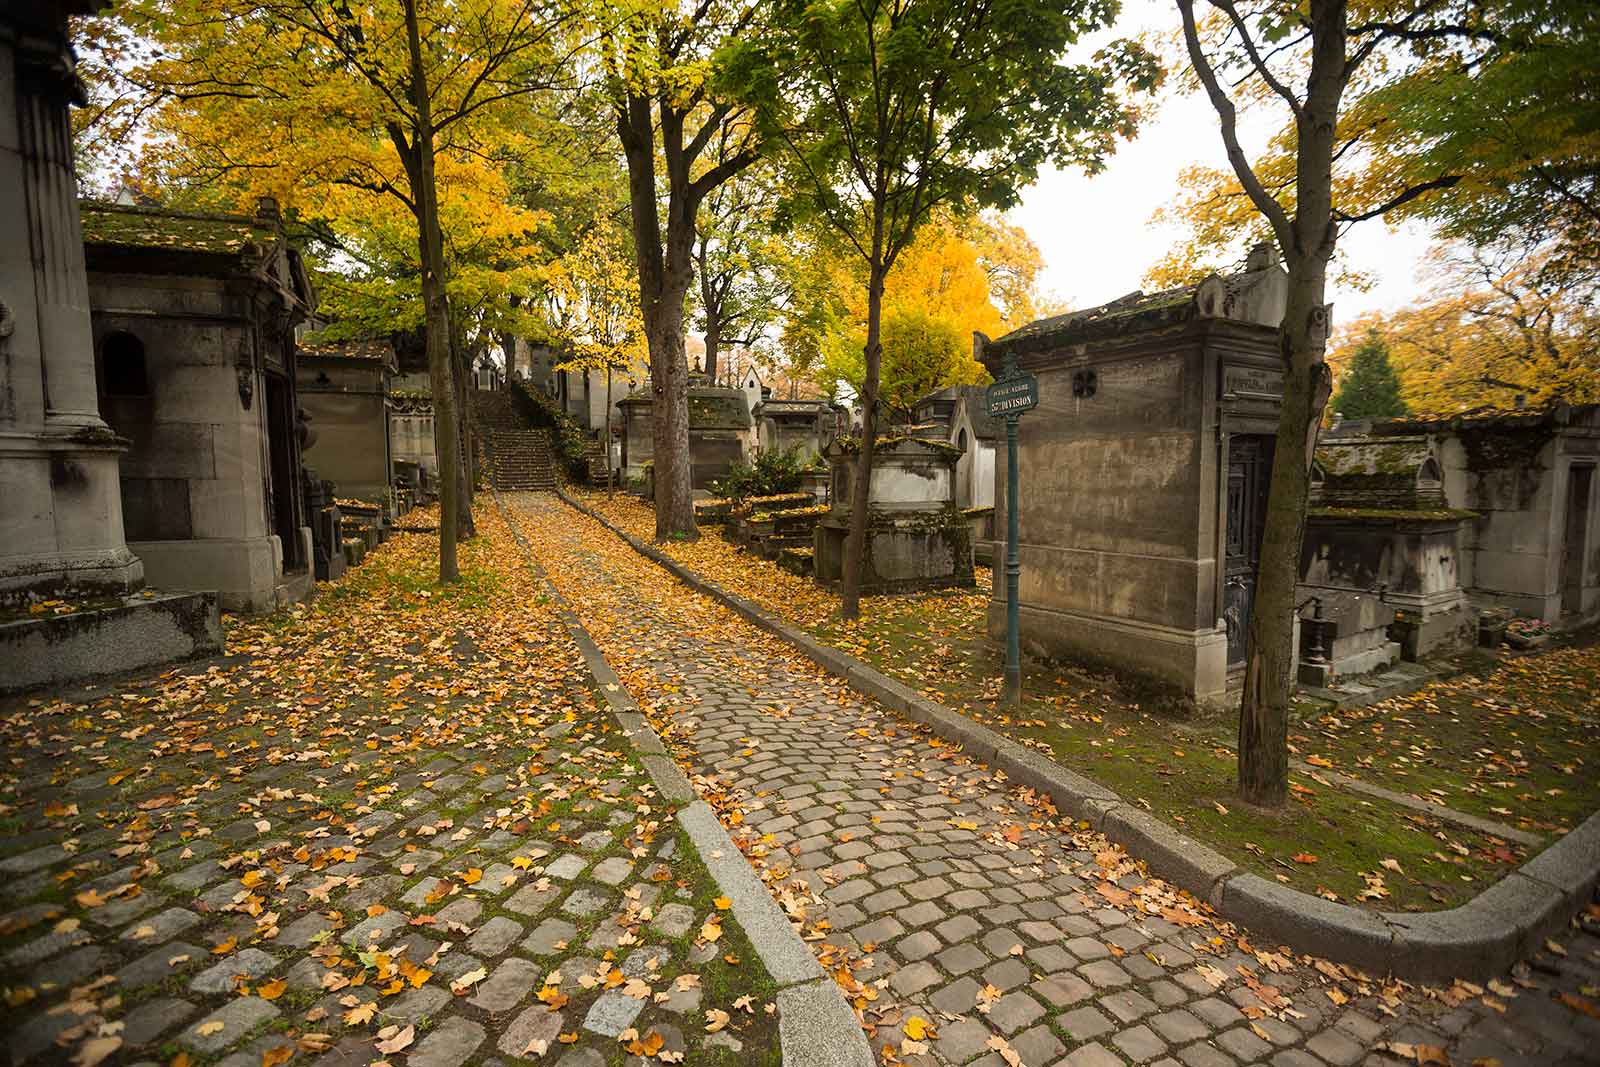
<point x="1144" y="474"/>
<point x="916" y="538"/>
<point x="1418" y="525"/>
<point x="344" y="392"/>
<point x="719" y="430"/>
<point x="71" y="596"/>
<point x="194" y="355"/>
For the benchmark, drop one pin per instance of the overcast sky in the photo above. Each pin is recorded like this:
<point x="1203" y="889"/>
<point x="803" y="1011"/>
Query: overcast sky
<point x="1095" y="233"/>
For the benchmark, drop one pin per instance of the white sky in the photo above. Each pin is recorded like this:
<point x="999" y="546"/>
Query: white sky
<point x="1095" y="234"/>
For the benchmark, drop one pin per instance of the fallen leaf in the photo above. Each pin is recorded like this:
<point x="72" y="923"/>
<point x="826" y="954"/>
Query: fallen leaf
<point x="399" y="1042"/>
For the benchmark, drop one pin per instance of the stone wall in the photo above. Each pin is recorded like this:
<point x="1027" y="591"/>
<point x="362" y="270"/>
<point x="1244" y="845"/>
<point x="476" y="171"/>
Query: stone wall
<point x="348" y="406"/>
<point x="197" y="478"/>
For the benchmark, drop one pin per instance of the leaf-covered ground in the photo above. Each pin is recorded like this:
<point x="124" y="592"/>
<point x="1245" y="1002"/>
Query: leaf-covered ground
<point x="1514" y="743"/>
<point x="393" y="825"/>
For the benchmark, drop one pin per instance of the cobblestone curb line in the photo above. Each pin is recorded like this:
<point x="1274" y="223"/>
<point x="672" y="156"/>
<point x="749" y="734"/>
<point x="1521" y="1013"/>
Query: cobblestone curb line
<point x="1479" y="939"/>
<point x="816" y="1025"/>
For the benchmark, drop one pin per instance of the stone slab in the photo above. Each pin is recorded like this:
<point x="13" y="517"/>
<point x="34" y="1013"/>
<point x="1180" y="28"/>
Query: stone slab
<point x="817" y="1028"/>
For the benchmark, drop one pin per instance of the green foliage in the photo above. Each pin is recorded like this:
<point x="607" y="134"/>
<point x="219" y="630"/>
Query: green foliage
<point x="774" y="471"/>
<point x="1371" y="389"/>
<point x="892" y="108"/>
<point x="922" y="354"/>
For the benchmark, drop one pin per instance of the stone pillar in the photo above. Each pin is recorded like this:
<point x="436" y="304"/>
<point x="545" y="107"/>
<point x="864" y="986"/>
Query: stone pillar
<point x="60" y="501"/>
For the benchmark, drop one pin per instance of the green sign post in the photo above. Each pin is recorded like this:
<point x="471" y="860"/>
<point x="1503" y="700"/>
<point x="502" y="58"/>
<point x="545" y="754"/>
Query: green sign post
<point x="1015" y="392"/>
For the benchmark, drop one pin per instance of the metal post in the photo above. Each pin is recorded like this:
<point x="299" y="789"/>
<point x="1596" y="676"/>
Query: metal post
<point x="1013" y="682"/>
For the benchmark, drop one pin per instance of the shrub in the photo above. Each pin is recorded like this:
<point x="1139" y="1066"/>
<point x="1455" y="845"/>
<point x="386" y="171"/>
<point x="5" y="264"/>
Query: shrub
<point x="774" y="471"/>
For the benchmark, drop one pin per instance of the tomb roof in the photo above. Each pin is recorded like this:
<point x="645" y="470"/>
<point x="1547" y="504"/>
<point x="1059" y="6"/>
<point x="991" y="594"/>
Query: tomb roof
<point x="1254" y="295"/>
<point x="711" y="407"/>
<point x="136" y="226"/>
<point x="366" y="350"/>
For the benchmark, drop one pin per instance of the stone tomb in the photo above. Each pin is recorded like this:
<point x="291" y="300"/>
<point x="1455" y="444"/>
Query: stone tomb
<point x="805" y="426"/>
<point x="719" y="428"/>
<point x="193" y="334"/>
<point x="916" y="538"/>
<point x="1380" y="555"/>
<point x="344" y="391"/>
<point x="61" y="507"/>
<point x="1144" y="473"/>
<point x="1448" y="515"/>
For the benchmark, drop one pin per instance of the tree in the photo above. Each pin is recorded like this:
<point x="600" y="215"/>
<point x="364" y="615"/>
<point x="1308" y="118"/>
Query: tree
<point x="922" y="354"/>
<point x="1304" y="57"/>
<point x="1490" y="335"/>
<point x="660" y="64"/>
<point x="594" y="306"/>
<point x="887" y="110"/>
<point x="1497" y="95"/>
<point x="297" y="97"/>
<point x="1371" y="388"/>
<point x="739" y="262"/>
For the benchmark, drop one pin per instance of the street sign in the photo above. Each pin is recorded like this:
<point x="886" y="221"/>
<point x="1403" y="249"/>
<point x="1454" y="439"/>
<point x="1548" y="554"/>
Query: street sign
<point x="1015" y="392"/>
<point x="1013" y="396"/>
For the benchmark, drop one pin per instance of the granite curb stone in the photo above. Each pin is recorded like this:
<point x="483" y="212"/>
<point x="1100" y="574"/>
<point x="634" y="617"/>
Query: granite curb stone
<point x="1470" y="941"/>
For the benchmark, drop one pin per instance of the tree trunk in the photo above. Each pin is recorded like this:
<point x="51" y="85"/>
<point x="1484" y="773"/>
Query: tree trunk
<point x="465" y="527"/>
<point x="664" y="277"/>
<point x="1269" y="663"/>
<point x="1269" y="658"/>
<point x="855" y="542"/>
<point x="711" y="352"/>
<point x="436" y="312"/>
<point x="611" y="480"/>
<point x="669" y="409"/>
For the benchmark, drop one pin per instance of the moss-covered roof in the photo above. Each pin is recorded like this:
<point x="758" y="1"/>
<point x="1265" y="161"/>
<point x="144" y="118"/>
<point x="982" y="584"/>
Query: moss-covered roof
<point x="1387" y="458"/>
<point x="1117" y="316"/>
<point x="409" y="402"/>
<point x="131" y="226"/>
<point x="367" y="351"/>
<point x="711" y="407"/>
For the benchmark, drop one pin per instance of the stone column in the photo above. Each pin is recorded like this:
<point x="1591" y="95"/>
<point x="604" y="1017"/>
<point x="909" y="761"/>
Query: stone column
<point x="60" y="501"/>
<point x="46" y="86"/>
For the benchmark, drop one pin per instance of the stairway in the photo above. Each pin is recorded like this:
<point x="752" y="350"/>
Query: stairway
<point x="594" y="458"/>
<point x="519" y="456"/>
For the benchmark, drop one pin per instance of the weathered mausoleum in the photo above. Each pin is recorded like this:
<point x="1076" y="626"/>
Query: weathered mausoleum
<point x="1144" y="474"/>
<point x="193" y="340"/>
<point x="916" y="538"/>
<point x="719" y="430"/>
<point x="1416" y="525"/>
<point x="344" y="392"/>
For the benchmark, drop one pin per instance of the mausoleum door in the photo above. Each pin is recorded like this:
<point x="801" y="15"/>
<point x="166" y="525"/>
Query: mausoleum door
<point x="1575" y="547"/>
<point x="1249" y="475"/>
<point x="280" y="449"/>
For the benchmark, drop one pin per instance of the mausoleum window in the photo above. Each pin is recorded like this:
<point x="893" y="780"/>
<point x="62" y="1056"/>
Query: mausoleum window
<point x="122" y="365"/>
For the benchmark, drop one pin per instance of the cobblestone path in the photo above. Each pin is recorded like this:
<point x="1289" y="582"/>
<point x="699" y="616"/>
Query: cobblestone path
<point x="394" y="825"/>
<point x="966" y="903"/>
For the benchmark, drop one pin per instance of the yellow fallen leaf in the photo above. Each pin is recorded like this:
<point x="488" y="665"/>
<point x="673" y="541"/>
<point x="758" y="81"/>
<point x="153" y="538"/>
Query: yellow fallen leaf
<point x="272" y="990"/>
<point x="716" y="1019"/>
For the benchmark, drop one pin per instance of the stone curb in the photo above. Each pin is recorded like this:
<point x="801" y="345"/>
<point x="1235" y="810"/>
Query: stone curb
<point x="816" y="1025"/>
<point x="1477" y="940"/>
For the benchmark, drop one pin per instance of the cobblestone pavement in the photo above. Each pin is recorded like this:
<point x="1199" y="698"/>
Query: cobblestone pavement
<point x="394" y="825"/>
<point x="967" y="905"/>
